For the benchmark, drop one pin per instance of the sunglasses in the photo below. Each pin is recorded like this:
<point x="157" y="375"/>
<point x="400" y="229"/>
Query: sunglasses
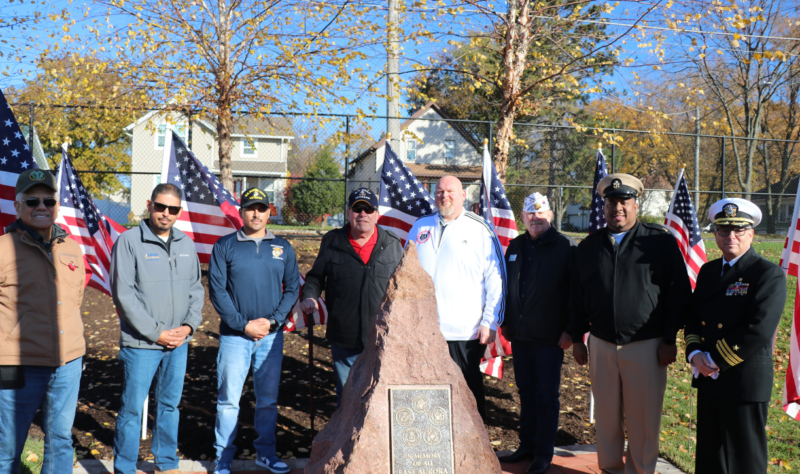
<point x="34" y="202"/>
<point x="174" y="210"/>
<point x="360" y="209"/>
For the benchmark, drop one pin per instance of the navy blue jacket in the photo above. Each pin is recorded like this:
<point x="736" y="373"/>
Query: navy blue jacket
<point x="249" y="280"/>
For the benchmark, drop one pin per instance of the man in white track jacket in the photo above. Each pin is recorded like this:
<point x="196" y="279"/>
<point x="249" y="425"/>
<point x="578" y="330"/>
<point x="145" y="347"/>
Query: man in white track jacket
<point x="462" y="254"/>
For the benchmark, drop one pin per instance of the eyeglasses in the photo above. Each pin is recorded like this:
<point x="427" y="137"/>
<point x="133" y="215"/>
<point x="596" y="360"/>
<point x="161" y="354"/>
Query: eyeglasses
<point x="174" y="210"/>
<point x="34" y="202"/>
<point x="360" y="209"/>
<point x="739" y="231"/>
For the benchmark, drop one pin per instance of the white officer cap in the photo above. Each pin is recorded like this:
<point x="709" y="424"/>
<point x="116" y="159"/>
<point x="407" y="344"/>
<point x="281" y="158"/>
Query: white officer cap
<point x="735" y="212"/>
<point x="536" y="202"/>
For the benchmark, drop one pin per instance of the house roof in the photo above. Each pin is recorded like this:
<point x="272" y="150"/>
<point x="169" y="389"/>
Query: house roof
<point x="457" y="126"/>
<point x="274" y="126"/>
<point x="423" y="170"/>
<point x="775" y="188"/>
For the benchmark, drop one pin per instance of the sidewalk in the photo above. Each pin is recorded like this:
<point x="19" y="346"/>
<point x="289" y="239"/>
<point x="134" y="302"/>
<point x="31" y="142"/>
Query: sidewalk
<point x="569" y="460"/>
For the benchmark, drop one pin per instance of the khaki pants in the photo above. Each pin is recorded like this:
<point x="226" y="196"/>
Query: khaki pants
<point x="628" y="387"/>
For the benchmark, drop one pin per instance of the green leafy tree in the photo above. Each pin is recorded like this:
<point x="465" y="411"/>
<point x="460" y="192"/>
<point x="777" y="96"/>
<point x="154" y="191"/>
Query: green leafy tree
<point x="311" y="199"/>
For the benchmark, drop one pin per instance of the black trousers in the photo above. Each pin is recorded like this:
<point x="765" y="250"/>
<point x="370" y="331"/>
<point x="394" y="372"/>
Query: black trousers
<point x="730" y="436"/>
<point x="467" y="355"/>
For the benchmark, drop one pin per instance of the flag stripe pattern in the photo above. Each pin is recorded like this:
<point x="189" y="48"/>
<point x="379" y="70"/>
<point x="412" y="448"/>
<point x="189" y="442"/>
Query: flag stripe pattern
<point x="15" y="157"/>
<point x="209" y="210"/>
<point x="402" y="198"/>
<point x="299" y="320"/>
<point x="85" y="224"/>
<point x="496" y="210"/>
<point x="681" y="221"/>
<point x="789" y="262"/>
<point x="494" y="203"/>
<point x="597" y="220"/>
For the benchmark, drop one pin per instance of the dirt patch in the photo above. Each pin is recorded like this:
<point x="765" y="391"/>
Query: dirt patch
<point x="101" y="385"/>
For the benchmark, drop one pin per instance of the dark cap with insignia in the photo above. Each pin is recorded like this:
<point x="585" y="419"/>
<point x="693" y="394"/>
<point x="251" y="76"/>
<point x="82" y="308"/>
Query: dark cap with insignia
<point x="734" y="212"/>
<point x="30" y="178"/>
<point x="254" y="196"/>
<point x="363" y="195"/>
<point x="620" y="185"/>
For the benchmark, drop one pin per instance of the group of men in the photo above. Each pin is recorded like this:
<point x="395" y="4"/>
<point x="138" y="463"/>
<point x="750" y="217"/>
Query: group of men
<point x="625" y="285"/>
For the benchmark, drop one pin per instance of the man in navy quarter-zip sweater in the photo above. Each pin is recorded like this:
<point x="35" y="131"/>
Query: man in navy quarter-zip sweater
<point x="253" y="281"/>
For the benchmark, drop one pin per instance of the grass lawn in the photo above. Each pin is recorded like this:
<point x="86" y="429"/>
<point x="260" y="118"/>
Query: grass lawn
<point x="678" y="442"/>
<point x="32" y="456"/>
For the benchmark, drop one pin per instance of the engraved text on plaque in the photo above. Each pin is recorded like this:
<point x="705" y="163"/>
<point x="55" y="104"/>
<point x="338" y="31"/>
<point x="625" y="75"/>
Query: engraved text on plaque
<point x="421" y="429"/>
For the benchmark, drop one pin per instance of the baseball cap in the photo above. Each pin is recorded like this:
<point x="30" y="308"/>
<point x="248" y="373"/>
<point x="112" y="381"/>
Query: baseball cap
<point x="363" y="195"/>
<point x="30" y="178"/>
<point x="254" y="196"/>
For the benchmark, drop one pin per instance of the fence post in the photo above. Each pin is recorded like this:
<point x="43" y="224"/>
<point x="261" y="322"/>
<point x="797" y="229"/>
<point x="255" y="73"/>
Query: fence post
<point x="613" y="153"/>
<point x="346" y="159"/>
<point x="189" y="135"/>
<point x="30" y="130"/>
<point x="491" y="147"/>
<point x="723" y="168"/>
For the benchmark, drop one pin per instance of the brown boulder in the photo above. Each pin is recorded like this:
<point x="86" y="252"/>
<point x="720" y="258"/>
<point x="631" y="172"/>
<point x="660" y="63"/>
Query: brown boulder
<point x="405" y="347"/>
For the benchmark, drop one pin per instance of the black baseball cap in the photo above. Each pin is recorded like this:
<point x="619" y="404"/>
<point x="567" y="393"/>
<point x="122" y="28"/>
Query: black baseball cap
<point x="254" y="196"/>
<point x="30" y="178"/>
<point x="363" y="195"/>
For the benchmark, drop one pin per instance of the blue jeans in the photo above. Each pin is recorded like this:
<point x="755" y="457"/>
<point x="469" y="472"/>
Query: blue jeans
<point x="343" y="360"/>
<point x="55" y="389"/>
<point x="139" y="366"/>
<point x="235" y="357"/>
<point x="537" y="368"/>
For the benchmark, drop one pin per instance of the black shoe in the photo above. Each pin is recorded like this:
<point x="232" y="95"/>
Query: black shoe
<point x="517" y="456"/>
<point x="537" y="467"/>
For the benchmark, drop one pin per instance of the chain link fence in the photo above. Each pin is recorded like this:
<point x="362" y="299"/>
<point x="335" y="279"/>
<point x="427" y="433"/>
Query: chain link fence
<point x="307" y="164"/>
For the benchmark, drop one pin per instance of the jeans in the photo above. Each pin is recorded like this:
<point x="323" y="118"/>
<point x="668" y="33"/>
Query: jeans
<point x="55" y="389"/>
<point x="538" y="372"/>
<point x="139" y="366"/>
<point x="235" y="357"/>
<point x="343" y="360"/>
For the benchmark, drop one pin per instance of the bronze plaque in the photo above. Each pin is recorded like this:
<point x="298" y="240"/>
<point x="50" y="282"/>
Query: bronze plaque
<point x="421" y="429"/>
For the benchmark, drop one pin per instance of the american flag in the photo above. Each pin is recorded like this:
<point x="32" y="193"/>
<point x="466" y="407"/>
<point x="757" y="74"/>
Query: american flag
<point x="15" y="157"/>
<point x="403" y="199"/>
<point x="494" y="204"/>
<point x="681" y="220"/>
<point x="299" y="320"/>
<point x="789" y="262"/>
<point x="209" y="210"/>
<point x="597" y="220"/>
<point x="86" y="225"/>
<point x="497" y="212"/>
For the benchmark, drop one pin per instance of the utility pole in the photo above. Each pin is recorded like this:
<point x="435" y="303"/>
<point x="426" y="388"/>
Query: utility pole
<point x="393" y="72"/>
<point x="697" y="157"/>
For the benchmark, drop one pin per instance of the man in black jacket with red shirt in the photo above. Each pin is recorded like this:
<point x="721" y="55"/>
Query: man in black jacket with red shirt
<point x="631" y="291"/>
<point x="736" y="309"/>
<point x="539" y="265"/>
<point x="353" y="267"/>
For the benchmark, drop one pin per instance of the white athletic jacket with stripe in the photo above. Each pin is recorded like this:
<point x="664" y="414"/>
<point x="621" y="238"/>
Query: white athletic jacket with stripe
<point x="468" y="272"/>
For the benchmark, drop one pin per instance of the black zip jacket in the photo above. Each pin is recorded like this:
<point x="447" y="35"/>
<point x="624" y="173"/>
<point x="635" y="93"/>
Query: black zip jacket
<point x="629" y="292"/>
<point x="539" y="312"/>
<point x="353" y="290"/>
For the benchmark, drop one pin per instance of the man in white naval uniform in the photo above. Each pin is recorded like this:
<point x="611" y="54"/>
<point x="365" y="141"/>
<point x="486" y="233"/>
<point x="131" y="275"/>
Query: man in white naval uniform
<point x="462" y="254"/>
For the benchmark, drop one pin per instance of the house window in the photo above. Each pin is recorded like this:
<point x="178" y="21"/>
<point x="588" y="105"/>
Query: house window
<point x="161" y="134"/>
<point x="248" y="147"/>
<point x="785" y="212"/>
<point x="411" y="150"/>
<point x="449" y="150"/>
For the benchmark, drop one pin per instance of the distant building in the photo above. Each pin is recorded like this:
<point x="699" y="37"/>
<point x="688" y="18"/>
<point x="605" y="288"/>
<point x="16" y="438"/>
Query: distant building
<point x="258" y="156"/>
<point x="782" y="207"/>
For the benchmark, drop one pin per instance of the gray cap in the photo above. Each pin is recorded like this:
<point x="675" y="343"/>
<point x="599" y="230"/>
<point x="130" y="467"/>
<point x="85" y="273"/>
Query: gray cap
<point x="30" y="178"/>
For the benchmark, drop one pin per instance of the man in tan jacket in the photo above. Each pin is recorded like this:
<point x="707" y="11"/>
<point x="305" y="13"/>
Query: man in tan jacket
<point x="42" y="277"/>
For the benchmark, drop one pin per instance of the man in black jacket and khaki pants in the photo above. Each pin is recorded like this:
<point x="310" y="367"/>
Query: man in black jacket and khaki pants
<point x="353" y="267"/>
<point x="539" y="264"/>
<point x="631" y="291"/>
<point x="736" y="309"/>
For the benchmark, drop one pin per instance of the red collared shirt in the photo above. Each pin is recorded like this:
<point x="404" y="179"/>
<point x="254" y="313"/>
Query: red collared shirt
<point x="364" y="251"/>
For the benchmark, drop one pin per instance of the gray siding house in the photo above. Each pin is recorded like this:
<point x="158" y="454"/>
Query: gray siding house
<point x="258" y="157"/>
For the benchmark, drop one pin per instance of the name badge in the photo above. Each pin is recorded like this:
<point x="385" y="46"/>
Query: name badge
<point x="512" y="258"/>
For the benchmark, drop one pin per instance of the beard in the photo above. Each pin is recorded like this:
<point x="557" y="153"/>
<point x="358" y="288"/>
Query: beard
<point x="446" y="209"/>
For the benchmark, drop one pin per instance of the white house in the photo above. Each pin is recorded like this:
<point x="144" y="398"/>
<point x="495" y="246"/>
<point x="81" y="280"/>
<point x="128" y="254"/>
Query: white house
<point x="258" y="157"/>
<point x="432" y="145"/>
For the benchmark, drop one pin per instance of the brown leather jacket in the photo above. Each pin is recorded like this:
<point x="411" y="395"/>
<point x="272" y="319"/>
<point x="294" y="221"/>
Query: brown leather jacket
<point x="40" y="300"/>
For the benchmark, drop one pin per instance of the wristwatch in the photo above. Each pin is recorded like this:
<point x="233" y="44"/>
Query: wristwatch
<point x="273" y="325"/>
